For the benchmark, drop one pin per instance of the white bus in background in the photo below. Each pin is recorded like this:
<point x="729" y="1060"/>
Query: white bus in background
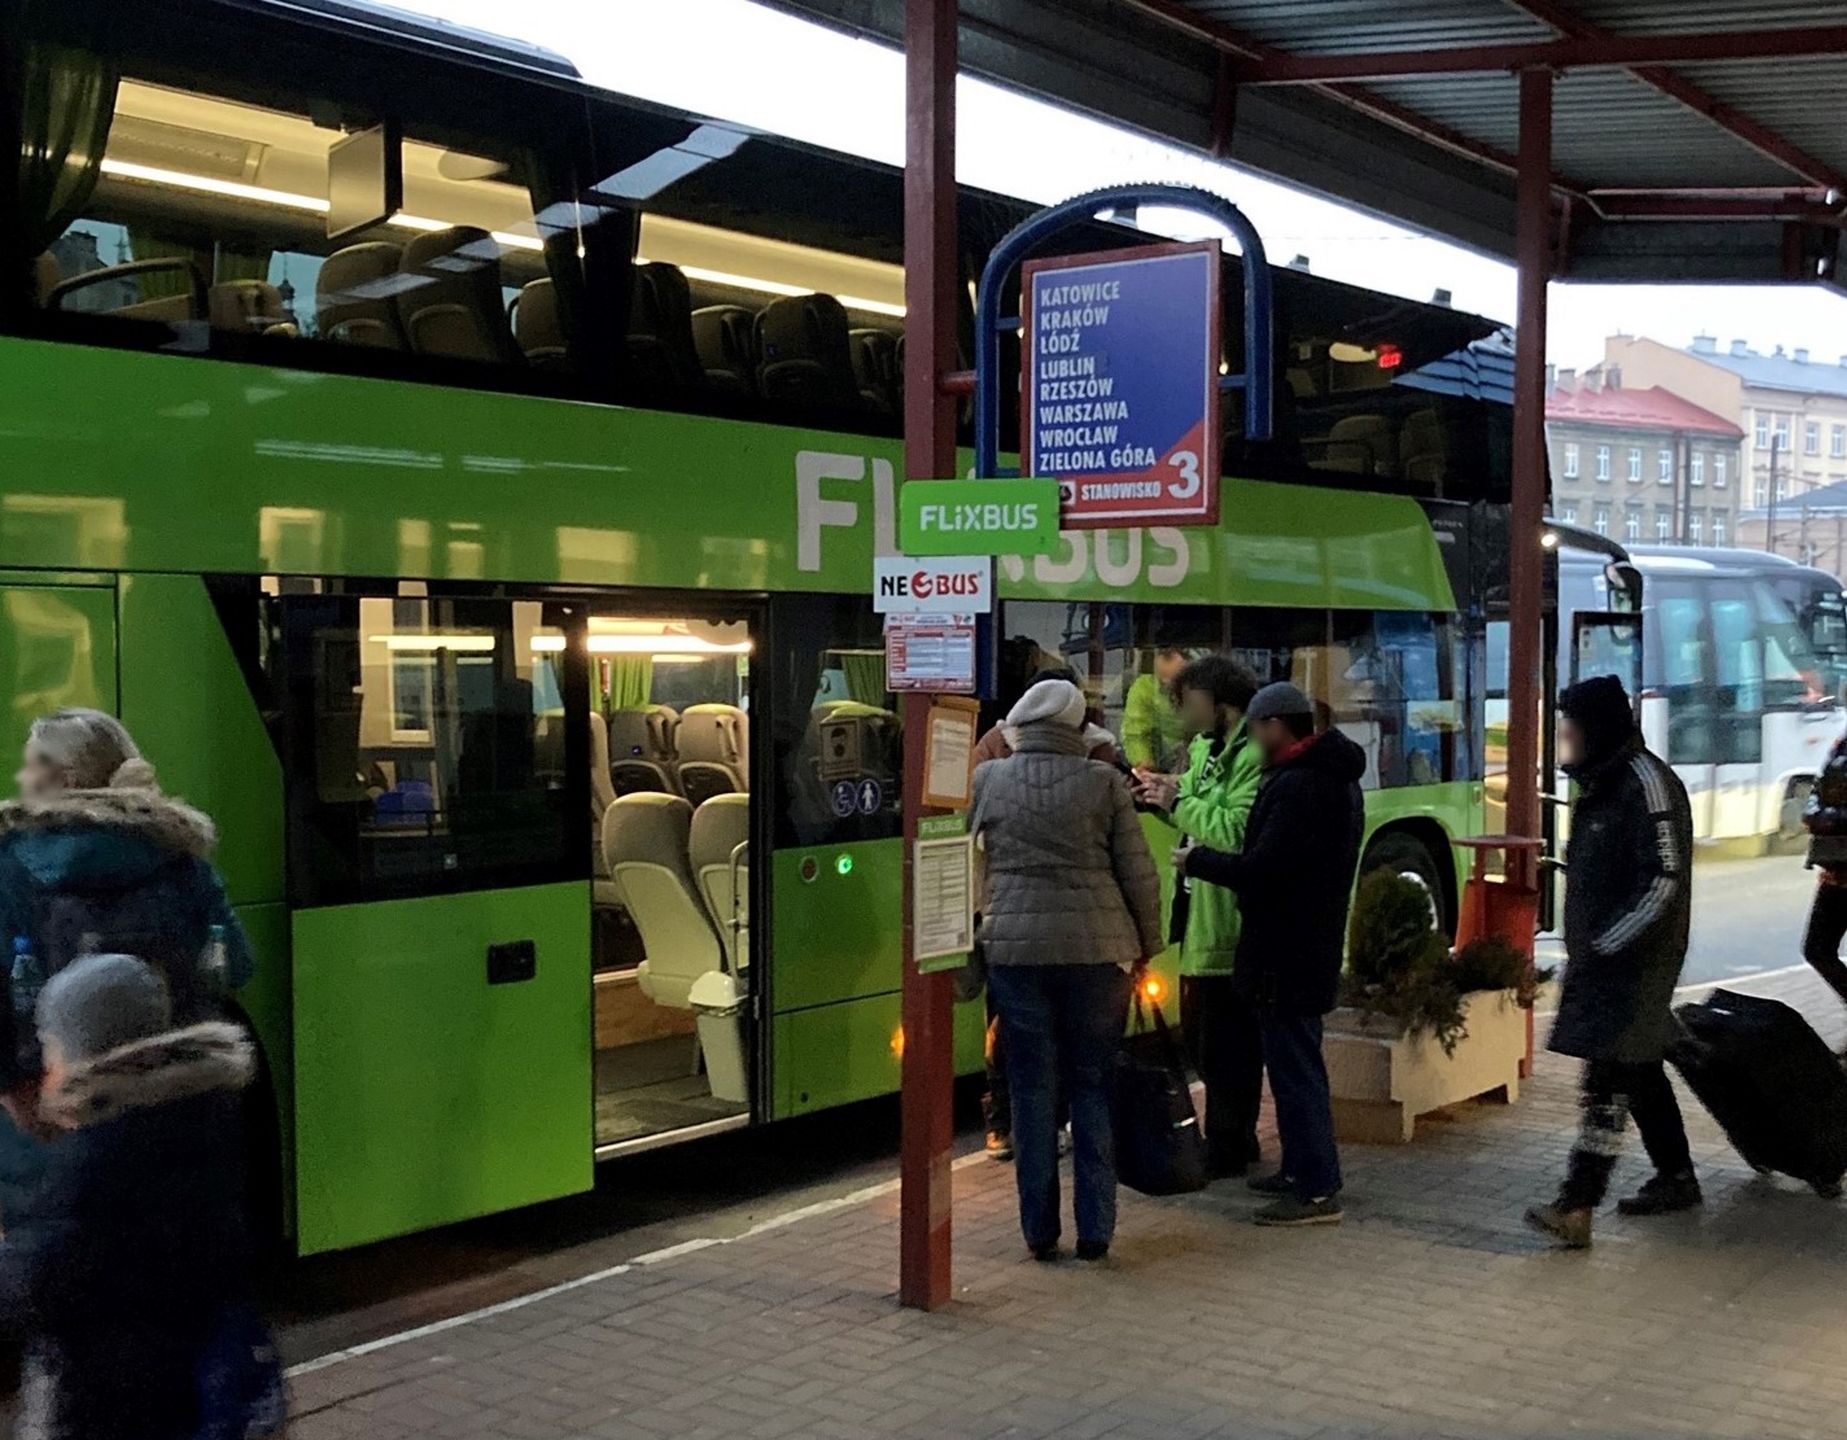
<point x="1733" y="694"/>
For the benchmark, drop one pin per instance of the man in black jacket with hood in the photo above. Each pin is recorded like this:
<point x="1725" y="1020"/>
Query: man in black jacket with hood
<point x="1628" y="899"/>
<point x="1294" y="880"/>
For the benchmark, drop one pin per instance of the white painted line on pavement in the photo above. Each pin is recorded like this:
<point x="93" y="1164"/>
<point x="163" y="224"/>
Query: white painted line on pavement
<point x="1729" y="982"/>
<point x="653" y="1257"/>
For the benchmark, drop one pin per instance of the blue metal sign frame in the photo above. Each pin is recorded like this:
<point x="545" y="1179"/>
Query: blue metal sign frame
<point x="1259" y="310"/>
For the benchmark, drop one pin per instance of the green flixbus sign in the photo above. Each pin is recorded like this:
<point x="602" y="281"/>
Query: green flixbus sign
<point x="978" y="517"/>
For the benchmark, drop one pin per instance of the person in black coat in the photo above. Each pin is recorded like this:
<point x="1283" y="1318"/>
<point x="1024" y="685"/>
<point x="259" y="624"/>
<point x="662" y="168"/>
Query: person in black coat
<point x="130" y="1253"/>
<point x="1294" y="880"/>
<point x="1628" y="902"/>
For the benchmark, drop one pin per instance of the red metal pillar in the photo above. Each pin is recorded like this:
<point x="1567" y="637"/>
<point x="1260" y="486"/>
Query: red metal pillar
<point x="930" y="302"/>
<point x="1533" y="252"/>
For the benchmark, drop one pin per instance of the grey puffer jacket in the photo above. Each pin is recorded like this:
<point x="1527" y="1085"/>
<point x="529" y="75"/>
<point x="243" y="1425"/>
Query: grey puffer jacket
<point x="1070" y="879"/>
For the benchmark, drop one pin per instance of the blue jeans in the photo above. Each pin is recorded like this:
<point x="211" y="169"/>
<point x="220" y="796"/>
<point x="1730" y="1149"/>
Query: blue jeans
<point x="1304" y="1113"/>
<point x="1063" y="1024"/>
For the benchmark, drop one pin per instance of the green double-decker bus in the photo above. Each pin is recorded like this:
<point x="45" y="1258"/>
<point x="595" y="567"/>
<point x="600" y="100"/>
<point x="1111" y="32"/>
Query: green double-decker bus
<point x="464" y="482"/>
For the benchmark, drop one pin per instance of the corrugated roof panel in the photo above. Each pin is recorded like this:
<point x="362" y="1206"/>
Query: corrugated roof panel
<point x="1674" y="17"/>
<point x="1597" y="118"/>
<point x="1363" y="27"/>
<point x="1799" y="99"/>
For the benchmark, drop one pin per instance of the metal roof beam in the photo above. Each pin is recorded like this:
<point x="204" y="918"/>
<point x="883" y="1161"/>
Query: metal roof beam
<point x="1604" y="48"/>
<point x="1755" y="133"/>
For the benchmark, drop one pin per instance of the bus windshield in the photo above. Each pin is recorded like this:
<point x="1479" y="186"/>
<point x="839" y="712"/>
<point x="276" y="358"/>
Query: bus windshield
<point x="1792" y="674"/>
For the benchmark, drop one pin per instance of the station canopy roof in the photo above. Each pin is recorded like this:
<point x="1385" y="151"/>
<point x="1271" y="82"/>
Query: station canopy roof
<point x="1696" y="140"/>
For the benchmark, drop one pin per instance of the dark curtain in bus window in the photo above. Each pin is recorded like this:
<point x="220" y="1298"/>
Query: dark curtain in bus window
<point x="66" y="100"/>
<point x="838" y="746"/>
<point x="426" y="748"/>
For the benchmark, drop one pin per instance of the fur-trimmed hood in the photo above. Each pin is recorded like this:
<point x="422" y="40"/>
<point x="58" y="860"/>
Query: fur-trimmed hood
<point x="122" y="827"/>
<point x="177" y="1065"/>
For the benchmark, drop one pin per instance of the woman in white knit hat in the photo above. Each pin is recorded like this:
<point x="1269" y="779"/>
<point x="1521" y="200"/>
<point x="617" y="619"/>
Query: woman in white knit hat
<point x="1073" y="909"/>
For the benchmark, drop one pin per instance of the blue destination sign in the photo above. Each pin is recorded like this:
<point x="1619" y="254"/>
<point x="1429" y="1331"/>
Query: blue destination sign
<point x="1121" y="393"/>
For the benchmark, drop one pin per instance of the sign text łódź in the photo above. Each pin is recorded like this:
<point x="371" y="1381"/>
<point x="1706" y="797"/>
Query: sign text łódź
<point x="1121" y="395"/>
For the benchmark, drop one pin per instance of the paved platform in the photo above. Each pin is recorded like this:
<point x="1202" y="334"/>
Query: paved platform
<point x="1430" y="1312"/>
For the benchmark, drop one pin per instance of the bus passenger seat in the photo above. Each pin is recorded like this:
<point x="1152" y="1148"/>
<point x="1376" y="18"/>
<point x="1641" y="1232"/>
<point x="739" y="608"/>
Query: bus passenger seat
<point x="875" y="368"/>
<point x="806" y="356"/>
<point x="450" y="301"/>
<point x="725" y="337"/>
<point x="1357" y="445"/>
<point x="641" y="749"/>
<point x="537" y="326"/>
<point x="1423" y="448"/>
<point x="249" y="307"/>
<point x="720" y="853"/>
<point x="714" y="750"/>
<point x="646" y="841"/>
<point x="662" y="355"/>
<point x="45" y="277"/>
<point x="352" y="296"/>
<point x="602" y="796"/>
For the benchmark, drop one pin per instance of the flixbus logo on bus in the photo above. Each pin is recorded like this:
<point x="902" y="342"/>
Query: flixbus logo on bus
<point x="844" y="500"/>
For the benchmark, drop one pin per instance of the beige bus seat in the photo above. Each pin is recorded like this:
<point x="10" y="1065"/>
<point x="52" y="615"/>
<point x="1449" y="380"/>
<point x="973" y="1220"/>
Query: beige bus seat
<point x="1424" y="448"/>
<point x="713" y="743"/>
<point x="641" y="749"/>
<point x="720" y="853"/>
<point x="1357" y="445"/>
<point x="725" y="337"/>
<point x="353" y="296"/>
<point x="45" y="277"/>
<point x="602" y="796"/>
<point x="451" y="302"/>
<point x="662" y="355"/>
<point x="875" y="368"/>
<point x="806" y="358"/>
<point x="248" y="307"/>
<point x="645" y="842"/>
<point x="537" y="326"/>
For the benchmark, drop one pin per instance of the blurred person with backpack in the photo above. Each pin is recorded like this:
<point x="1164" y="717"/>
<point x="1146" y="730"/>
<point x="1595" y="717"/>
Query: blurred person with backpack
<point x="95" y="859"/>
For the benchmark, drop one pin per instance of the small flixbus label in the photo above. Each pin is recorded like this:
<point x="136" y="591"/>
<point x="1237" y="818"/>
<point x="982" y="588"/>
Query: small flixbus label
<point x="978" y="517"/>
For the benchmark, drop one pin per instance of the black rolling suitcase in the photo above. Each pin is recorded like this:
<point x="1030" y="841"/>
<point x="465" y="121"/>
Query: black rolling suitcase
<point x="1771" y="1083"/>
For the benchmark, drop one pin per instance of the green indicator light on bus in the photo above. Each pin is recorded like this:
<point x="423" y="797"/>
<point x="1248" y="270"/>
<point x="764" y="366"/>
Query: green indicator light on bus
<point x="843" y="865"/>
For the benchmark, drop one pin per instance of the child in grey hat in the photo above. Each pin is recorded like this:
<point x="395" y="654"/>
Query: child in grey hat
<point x="125" y="1260"/>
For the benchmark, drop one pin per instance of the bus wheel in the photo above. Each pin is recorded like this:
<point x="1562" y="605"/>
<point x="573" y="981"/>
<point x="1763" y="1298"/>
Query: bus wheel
<point x="1411" y="859"/>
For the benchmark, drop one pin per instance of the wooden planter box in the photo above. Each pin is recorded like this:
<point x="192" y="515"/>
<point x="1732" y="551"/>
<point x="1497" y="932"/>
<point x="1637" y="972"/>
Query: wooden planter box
<point x="1383" y="1080"/>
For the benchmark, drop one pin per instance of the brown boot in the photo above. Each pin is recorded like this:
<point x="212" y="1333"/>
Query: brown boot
<point x="1569" y="1228"/>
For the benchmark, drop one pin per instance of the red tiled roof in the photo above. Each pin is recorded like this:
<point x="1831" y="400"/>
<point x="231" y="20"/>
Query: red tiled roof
<point x="1650" y="409"/>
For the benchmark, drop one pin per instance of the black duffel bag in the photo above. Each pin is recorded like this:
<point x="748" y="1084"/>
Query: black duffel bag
<point x="1159" y="1150"/>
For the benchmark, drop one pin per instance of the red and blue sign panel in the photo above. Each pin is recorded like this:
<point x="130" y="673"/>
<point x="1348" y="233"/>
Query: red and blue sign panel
<point x="1120" y="392"/>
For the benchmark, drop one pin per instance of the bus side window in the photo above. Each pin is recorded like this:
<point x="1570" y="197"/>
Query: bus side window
<point x="839" y="755"/>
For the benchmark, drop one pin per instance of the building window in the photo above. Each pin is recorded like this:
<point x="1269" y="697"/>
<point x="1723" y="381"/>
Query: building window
<point x="1696" y="468"/>
<point x="1718" y="529"/>
<point x="1696" y="523"/>
<point x="1780" y="428"/>
<point x="1602" y="522"/>
<point x="1811" y="438"/>
<point x="1635" y="463"/>
<point x="1664" y="467"/>
<point x="1571" y="460"/>
<point x="1762" y="437"/>
<point x="1570" y="517"/>
<point x="1632" y="523"/>
<point x="1718" y="472"/>
<point x="1837" y="442"/>
<point x="1603" y="462"/>
<point x="1664" y="523"/>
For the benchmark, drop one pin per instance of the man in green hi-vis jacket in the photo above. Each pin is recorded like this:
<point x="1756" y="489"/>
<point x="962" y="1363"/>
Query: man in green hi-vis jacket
<point x="1152" y="734"/>
<point x="1210" y="804"/>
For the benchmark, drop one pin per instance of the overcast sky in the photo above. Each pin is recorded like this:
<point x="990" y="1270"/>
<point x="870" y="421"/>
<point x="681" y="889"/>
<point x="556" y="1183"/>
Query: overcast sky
<point x="739" y="61"/>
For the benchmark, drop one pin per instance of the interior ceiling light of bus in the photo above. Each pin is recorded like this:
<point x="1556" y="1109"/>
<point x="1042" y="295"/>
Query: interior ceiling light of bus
<point x="425" y="643"/>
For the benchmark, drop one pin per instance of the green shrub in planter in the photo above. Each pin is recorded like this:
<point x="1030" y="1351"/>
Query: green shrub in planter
<point x="1491" y="963"/>
<point x="1399" y="967"/>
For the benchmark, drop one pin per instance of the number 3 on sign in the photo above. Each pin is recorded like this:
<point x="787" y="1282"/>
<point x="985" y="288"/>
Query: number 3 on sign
<point x="1187" y="463"/>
